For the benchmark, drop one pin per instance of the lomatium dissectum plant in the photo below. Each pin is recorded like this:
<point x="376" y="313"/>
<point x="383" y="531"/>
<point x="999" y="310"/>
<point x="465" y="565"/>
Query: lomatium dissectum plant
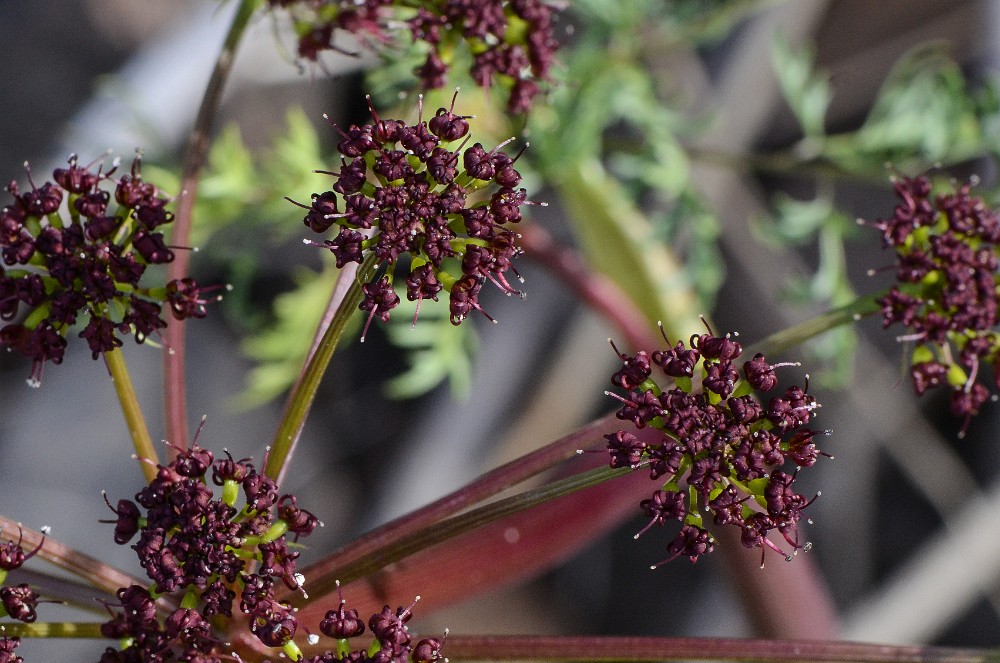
<point x="430" y="205"/>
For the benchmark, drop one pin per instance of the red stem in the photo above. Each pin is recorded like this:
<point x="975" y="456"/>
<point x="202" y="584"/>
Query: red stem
<point x="91" y="569"/>
<point x="499" y="648"/>
<point x="485" y="486"/>
<point x="174" y="388"/>
<point x="596" y="290"/>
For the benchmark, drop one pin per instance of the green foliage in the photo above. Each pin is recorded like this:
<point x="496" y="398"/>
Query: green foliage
<point x="281" y="348"/>
<point x="925" y="113"/>
<point x="806" y="91"/>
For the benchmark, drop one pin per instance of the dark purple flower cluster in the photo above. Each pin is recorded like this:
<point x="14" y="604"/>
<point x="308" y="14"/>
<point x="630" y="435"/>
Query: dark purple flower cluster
<point x="402" y="191"/>
<point x="511" y="41"/>
<point x="946" y="288"/>
<point x="392" y="641"/>
<point x="7" y="646"/>
<point x="193" y="542"/>
<point x="16" y="601"/>
<point x="719" y="448"/>
<point x="76" y="251"/>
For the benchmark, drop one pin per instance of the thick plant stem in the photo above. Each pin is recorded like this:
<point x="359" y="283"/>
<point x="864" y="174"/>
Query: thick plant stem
<point x="137" y="429"/>
<point x="54" y="630"/>
<point x="594" y="649"/>
<point x="599" y="292"/>
<point x="301" y="399"/>
<point x="175" y="391"/>
<point x="486" y="486"/>
<point x="447" y="529"/>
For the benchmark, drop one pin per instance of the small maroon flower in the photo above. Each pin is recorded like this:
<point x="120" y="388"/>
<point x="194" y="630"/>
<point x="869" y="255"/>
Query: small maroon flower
<point x="20" y="602"/>
<point x="946" y="288"/>
<point x="85" y="258"/>
<point x="7" y="646"/>
<point x="12" y="556"/>
<point x="342" y="623"/>
<point x="714" y="448"/>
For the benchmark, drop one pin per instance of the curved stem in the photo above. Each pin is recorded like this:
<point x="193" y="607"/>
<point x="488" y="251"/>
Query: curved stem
<point x="174" y="388"/>
<point x="54" y="630"/>
<point x="137" y="429"/>
<point x="304" y="392"/>
<point x="487" y="485"/>
<point x="861" y="307"/>
<point x="452" y="527"/>
<point x="594" y="649"/>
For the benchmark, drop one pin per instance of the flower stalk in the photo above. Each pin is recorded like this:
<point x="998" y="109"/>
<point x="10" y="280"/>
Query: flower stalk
<point x="175" y="389"/>
<point x="301" y="399"/>
<point x="599" y="649"/>
<point x="137" y="429"/>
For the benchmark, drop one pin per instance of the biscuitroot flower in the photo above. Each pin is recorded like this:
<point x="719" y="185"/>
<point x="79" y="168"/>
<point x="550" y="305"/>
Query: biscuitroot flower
<point x="720" y="450"/>
<point x="7" y="646"/>
<point x="421" y="192"/>
<point x="945" y="293"/>
<point x="511" y="42"/>
<point x="218" y="553"/>
<point x="74" y="253"/>
<point x="391" y="640"/>
<point x="16" y="601"/>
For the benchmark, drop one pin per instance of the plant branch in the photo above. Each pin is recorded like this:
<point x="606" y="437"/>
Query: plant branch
<point x="487" y="485"/>
<point x="452" y="527"/>
<point x="593" y="288"/>
<point x="304" y="392"/>
<point x="137" y="429"/>
<point x="62" y="589"/>
<point x="102" y="576"/>
<point x="53" y="630"/>
<point x="174" y="388"/>
<point x="600" y="649"/>
<point x="861" y="307"/>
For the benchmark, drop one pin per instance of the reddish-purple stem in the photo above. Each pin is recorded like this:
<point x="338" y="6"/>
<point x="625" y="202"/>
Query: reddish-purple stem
<point x="569" y="648"/>
<point x="174" y="387"/>
<point x="487" y="485"/>
<point x="596" y="290"/>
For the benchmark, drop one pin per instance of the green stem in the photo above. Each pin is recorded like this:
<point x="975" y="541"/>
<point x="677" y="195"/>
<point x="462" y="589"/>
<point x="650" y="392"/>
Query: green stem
<point x="861" y="307"/>
<point x="600" y="649"/>
<point x="141" y="439"/>
<point x="53" y="630"/>
<point x="301" y="399"/>
<point x="466" y="522"/>
<point x="174" y="386"/>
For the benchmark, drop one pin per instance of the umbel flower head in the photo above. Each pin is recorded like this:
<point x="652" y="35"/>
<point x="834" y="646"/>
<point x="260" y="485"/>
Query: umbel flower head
<point x="720" y="449"/>
<point x="227" y="554"/>
<point x="945" y="293"/>
<point x="193" y="542"/>
<point x="510" y="41"/>
<point x="75" y="251"/>
<point x="422" y="192"/>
